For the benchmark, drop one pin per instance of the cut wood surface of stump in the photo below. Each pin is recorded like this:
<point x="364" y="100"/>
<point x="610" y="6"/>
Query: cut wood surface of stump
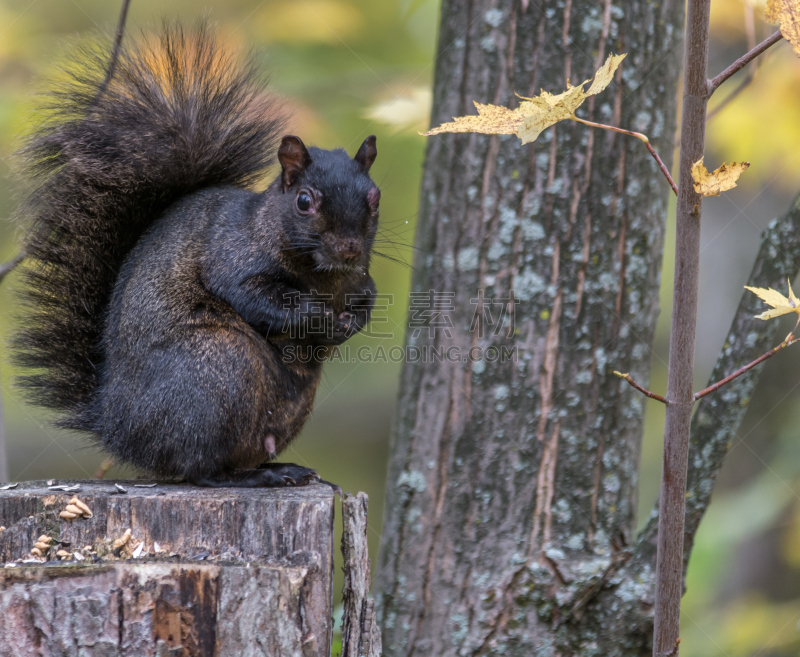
<point x="168" y="570"/>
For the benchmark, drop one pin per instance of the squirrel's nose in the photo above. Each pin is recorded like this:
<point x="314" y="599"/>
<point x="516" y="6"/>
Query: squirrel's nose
<point x="349" y="249"/>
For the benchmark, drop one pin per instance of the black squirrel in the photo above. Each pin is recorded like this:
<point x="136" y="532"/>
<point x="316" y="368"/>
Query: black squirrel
<point x="161" y="294"/>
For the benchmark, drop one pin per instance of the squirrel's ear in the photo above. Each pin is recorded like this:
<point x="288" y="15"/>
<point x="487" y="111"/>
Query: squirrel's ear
<point x="294" y="159"/>
<point x="367" y="153"/>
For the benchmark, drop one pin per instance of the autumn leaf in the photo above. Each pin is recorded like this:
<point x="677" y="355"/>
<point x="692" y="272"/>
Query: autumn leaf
<point x="780" y="304"/>
<point x="787" y="13"/>
<point x="720" y="180"/>
<point x="605" y="74"/>
<point x="491" y="120"/>
<point x="533" y="114"/>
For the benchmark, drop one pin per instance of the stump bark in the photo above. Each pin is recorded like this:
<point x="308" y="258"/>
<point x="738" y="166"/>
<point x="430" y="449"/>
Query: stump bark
<point x="202" y="571"/>
<point x="361" y="636"/>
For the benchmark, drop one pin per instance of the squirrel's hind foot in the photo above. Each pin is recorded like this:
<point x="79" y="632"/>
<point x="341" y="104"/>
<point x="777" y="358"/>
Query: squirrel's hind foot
<point x="270" y="475"/>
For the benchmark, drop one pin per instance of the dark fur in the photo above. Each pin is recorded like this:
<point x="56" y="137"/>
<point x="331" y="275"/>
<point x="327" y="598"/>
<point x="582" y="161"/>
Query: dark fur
<point x="157" y="292"/>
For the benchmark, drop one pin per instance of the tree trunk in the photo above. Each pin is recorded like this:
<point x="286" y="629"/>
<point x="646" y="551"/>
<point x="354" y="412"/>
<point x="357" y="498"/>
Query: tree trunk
<point x="201" y="573"/>
<point x="512" y="482"/>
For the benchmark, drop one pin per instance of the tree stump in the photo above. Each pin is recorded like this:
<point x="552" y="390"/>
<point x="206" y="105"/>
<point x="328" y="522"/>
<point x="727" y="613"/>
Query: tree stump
<point x="168" y="570"/>
<point x="361" y="636"/>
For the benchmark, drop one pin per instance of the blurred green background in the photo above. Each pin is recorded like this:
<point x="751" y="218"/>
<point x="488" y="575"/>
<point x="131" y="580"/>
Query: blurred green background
<point x="350" y="68"/>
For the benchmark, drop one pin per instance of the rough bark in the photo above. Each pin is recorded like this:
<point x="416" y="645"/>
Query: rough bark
<point x="219" y="571"/>
<point x="361" y="636"/>
<point x="512" y="485"/>
<point x="158" y="609"/>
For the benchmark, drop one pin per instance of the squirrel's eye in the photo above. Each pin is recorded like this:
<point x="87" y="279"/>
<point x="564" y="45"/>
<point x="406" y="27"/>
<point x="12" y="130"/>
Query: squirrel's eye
<point x="303" y="202"/>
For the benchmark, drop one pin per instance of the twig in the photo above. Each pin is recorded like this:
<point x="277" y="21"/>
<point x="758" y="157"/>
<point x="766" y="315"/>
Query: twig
<point x="8" y="267"/>
<point x="639" y="136"/>
<point x="644" y="391"/>
<point x="112" y="65"/>
<point x="790" y="339"/>
<point x="743" y="61"/>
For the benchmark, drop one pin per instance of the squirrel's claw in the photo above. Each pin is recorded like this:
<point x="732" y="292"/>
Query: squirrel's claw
<point x="336" y="488"/>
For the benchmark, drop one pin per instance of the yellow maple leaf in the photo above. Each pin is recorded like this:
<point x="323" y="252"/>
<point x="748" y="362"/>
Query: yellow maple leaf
<point x="533" y="114"/>
<point x="780" y="304"/>
<point x="772" y="12"/>
<point x="547" y="109"/>
<point x="491" y="120"/>
<point x="605" y="74"/>
<point x="787" y="13"/>
<point x="720" y="180"/>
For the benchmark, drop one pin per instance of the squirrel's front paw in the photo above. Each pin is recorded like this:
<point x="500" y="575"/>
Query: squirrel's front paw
<point x="346" y="324"/>
<point x="343" y="326"/>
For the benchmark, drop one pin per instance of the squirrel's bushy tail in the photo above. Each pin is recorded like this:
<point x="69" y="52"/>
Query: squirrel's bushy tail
<point x="180" y="113"/>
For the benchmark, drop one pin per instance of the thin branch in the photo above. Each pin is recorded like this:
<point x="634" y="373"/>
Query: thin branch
<point x="662" y="166"/>
<point x="112" y="65"/>
<point x="638" y="136"/>
<point x="9" y="266"/>
<point x="644" y="391"/>
<point x="790" y="339"/>
<point x="743" y="61"/>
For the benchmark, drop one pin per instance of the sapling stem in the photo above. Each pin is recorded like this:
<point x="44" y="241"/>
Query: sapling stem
<point x="672" y="498"/>
<point x="743" y="61"/>
<point x="639" y="136"/>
